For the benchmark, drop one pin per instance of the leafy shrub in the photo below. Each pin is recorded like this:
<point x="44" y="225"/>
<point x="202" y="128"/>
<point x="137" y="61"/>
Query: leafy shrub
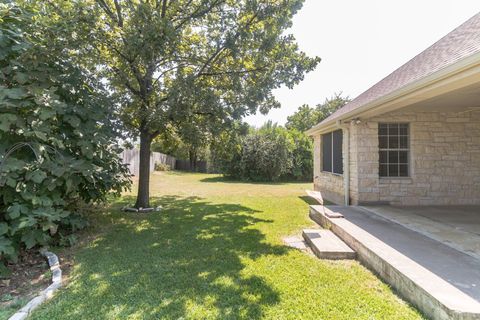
<point x="302" y="156"/>
<point x="264" y="157"/>
<point x="57" y="138"/>
<point x="162" y="167"/>
<point x="270" y="153"/>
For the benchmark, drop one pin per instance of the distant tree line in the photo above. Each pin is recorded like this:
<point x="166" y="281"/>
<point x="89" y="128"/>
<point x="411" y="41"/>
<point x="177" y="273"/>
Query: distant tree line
<point x="269" y="153"/>
<point x="273" y="152"/>
<point x="306" y="117"/>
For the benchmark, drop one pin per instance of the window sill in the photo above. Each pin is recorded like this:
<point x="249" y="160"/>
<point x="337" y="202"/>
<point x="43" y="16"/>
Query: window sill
<point x="333" y="173"/>
<point x="395" y="179"/>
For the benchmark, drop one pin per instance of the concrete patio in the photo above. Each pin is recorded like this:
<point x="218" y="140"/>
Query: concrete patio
<point x="454" y="226"/>
<point x="431" y="260"/>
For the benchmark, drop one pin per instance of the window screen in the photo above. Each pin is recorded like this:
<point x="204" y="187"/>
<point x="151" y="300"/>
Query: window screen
<point x="327" y="152"/>
<point x="332" y="152"/>
<point x="337" y="152"/>
<point x="393" y="143"/>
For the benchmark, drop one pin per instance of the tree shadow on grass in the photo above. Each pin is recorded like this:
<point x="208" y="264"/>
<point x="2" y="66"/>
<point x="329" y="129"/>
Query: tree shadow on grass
<point x="186" y="261"/>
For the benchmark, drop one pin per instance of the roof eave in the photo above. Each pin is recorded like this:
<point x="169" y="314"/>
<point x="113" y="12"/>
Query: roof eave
<point x="406" y="93"/>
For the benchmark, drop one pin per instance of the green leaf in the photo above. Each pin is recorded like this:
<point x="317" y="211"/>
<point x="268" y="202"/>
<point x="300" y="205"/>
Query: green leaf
<point x="68" y="185"/>
<point x="31" y="238"/>
<point x="26" y="222"/>
<point x="11" y="182"/>
<point x="41" y="135"/>
<point x="15" y="210"/>
<point x="43" y="200"/>
<point x="3" y="228"/>
<point x="36" y="176"/>
<point x="58" y="171"/>
<point x="87" y="151"/>
<point x="73" y="120"/>
<point x="46" y="113"/>
<point x="6" y="121"/>
<point x="13" y="164"/>
<point x="16" y="93"/>
<point x="6" y="246"/>
<point x="21" y="77"/>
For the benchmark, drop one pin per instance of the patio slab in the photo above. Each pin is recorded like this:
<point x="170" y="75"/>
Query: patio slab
<point x="454" y="226"/>
<point x="443" y="282"/>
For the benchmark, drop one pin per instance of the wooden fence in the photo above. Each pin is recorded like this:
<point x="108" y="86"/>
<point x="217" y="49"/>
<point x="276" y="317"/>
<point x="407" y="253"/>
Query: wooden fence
<point x="184" y="165"/>
<point x="132" y="158"/>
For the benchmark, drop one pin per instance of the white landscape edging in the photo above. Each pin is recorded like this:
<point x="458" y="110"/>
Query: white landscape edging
<point x="46" y="294"/>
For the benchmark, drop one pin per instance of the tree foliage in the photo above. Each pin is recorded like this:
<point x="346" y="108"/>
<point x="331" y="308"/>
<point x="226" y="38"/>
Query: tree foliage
<point x="266" y="154"/>
<point x="274" y="152"/>
<point x="56" y="135"/>
<point x="170" y="60"/>
<point x="190" y="141"/>
<point x="270" y="153"/>
<point x="226" y="149"/>
<point x="306" y="117"/>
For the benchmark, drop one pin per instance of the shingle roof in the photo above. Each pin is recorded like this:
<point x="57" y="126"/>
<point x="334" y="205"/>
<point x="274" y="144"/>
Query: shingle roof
<point x="462" y="42"/>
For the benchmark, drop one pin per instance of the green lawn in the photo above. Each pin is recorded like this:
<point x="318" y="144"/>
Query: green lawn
<point x="215" y="252"/>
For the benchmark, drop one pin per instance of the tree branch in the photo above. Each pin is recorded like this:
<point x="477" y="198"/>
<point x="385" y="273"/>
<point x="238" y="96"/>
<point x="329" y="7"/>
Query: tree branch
<point x="232" y="72"/>
<point x="107" y="10"/>
<point x="119" y="13"/>
<point x="127" y="83"/>
<point x="211" y="59"/>
<point x="197" y="13"/>
<point x="164" y="8"/>
<point x="223" y="47"/>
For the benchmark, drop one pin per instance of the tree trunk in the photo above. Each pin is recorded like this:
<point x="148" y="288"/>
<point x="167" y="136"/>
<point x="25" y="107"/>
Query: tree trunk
<point x="143" y="195"/>
<point x="192" y="153"/>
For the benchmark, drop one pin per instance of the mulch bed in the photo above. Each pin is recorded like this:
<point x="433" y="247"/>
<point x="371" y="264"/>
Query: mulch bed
<point x="24" y="279"/>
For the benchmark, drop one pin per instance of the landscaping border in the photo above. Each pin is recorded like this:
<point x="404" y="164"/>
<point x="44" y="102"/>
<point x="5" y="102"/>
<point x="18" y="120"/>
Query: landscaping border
<point x="46" y="294"/>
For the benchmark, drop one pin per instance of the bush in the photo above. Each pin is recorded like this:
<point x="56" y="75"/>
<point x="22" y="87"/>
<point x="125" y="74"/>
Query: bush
<point x="270" y="153"/>
<point x="302" y="156"/>
<point x="57" y="139"/>
<point x="265" y="157"/>
<point x="162" y="167"/>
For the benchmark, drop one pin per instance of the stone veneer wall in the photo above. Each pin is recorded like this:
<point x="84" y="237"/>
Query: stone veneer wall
<point x="444" y="160"/>
<point x="330" y="185"/>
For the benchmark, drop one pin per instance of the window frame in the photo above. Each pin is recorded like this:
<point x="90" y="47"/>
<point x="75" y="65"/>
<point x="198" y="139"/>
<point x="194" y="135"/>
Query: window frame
<point x="398" y="149"/>
<point x="332" y="153"/>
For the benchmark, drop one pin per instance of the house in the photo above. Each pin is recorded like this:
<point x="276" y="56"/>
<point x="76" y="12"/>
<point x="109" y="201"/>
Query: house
<point x="414" y="137"/>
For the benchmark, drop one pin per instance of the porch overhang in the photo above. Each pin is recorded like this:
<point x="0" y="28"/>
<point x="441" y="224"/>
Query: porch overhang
<point x="462" y="74"/>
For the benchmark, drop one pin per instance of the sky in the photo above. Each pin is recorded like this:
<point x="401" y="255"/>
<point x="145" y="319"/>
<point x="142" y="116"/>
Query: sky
<point x="361" y="42"/>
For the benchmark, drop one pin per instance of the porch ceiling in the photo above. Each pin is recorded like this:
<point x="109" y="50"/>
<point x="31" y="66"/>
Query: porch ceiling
<point x="460" y="100"/>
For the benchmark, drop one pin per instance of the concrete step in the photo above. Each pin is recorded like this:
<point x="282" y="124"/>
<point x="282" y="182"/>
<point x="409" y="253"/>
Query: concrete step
<point x="316" y="195"/>
<point x="325" y="211"/>
<point x="326" y="245"/>
<point x="377" y="242"/>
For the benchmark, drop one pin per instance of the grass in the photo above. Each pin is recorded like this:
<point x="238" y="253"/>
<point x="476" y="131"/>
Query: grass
<point x="8" y="310"/>
<point x="215" y="252"/>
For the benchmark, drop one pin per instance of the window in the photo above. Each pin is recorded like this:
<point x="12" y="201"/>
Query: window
<point x="332" y="156"/>
<point x="394" y="149"/>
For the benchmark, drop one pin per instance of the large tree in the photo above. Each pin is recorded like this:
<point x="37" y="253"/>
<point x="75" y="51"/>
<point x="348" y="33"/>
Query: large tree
<point x="157" y="55"/>
<point x="306" y="117"/>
